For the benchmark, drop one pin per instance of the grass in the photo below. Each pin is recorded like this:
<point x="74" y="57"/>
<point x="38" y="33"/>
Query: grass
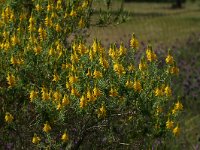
<point x="165" y="28"/>
<point x="153" y="22"/>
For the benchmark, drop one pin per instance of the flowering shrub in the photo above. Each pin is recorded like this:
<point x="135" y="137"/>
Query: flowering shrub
<point x="63" y="93"/>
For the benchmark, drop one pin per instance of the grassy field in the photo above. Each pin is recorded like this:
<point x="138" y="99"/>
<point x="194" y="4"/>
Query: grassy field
<point x="164" y="27"/>
<point x="153" y="22"/>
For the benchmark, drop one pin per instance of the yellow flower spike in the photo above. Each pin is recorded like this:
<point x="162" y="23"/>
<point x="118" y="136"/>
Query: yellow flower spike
<point x="58" y="28"/>
<point x="102" y="112"/>
<point x="51" y="52"/>
<point x="38" y="7"/>
<point x="59" y="106"/>
<point x="74" y="91"/>
<point x="81" y="23"/>
<point x="11" y="80"/>
<point x="131" y="68"/>
<point x="37" y="49"/>
<point x="73" y="13"/>
<point x="174" y="70"/>
<point x="45" y="94"/>
<point x="176" y="130"/>
<point x="178" y="106"/>
<point x="83" y="101"/>
<point x="122" y="50"/>
<point x="56" y="77"/>
<point x="97" y="74"/>
<point x="59" y="5"/>
<point x="13" y="60"/>
<point x="48" y="21"/>
<point x="73" y="79"/>
<point x="89" y="95"/>
<point x="89" y="73"/>
<point x="36" y="139"/>
<point x="134" y="42"/>
<point x="57" y="95"/>
<point x="113" y="92"/>
<point x="158" y="92"/>
<point x="65" y="137"/>
<point x="119" y="69"/>
<point x="150" y="55"/>
<point x="14" y="40"/>
<point x="142" y="65"/>
<point x="137" y="86"/>
<point x="129" y="84"/>
<point x="95" y="46"/>
<point x="169" y="124"/>
<point x="96" y="92"/>
<point x="33" y="95"/>
<point x="168" y="91"/>
<point x="8" y="117"/>
<point x="169" y="59"/>
<point x="47" y="127"/>
<point x="49" y="7"/>
<point x="65" y="100"/>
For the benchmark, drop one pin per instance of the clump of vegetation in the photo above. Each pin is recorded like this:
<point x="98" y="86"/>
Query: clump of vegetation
<point x="56" y="93"/>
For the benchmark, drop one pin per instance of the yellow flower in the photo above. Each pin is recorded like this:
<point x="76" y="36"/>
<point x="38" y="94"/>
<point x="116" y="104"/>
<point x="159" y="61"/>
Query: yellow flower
<point x="113" y="92"/>
<point x="122" y="49"/>
<point x="81" y="23"/>
<point x="13" y="60"/>
<point x="36" y="139"/>
<point x="57" y="95"/>
<point x="65" y="100"/>
<point x="137" y="86"/>
<point x="103" y="62"/>
<point x="96" y="92"/>
<point x="48" y="21"/>
<point x="59" y="106"/>
<point x="56" y="77"/>
<point x="14" y="40"/>
<point x="129" y="84"/>
<point x="8" y="117"/>
<point x="33" y="95"/>
<point x="176" y="131"/>
<point x="37" y="49"/>
<point x="65" y="137"/>
<point x="58" y="27"/>
<point x="102" y="111"/>
<point x="119" y="69"/>
<point x="174" y="70"/>
<point x="73" y="13"/>
<point x="38" y="7"/>
<point x="90" y="96"/>
<point x="169" y="59"/>
<point x="158" y="92"/>
<point x="89" y="73"/>
<point x="169" y="124"/>
<point x="168" y="91"/>
<point x="83" y="101"/>
<point x="142" y="65"/>
<point x="97" y="74"/>
<point x="47" y="127"/>
<point x="45" y="94"/>
<point x="72" y="79"/>
<point x="131" y="68"/>
<point x="74" y="91"/>
<point x="11" y="80"/>
<point x="49" y="7"/>
<point x="134" y="42"/>
<point x="179" y="106"/>
<point x="151" y="56"/>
